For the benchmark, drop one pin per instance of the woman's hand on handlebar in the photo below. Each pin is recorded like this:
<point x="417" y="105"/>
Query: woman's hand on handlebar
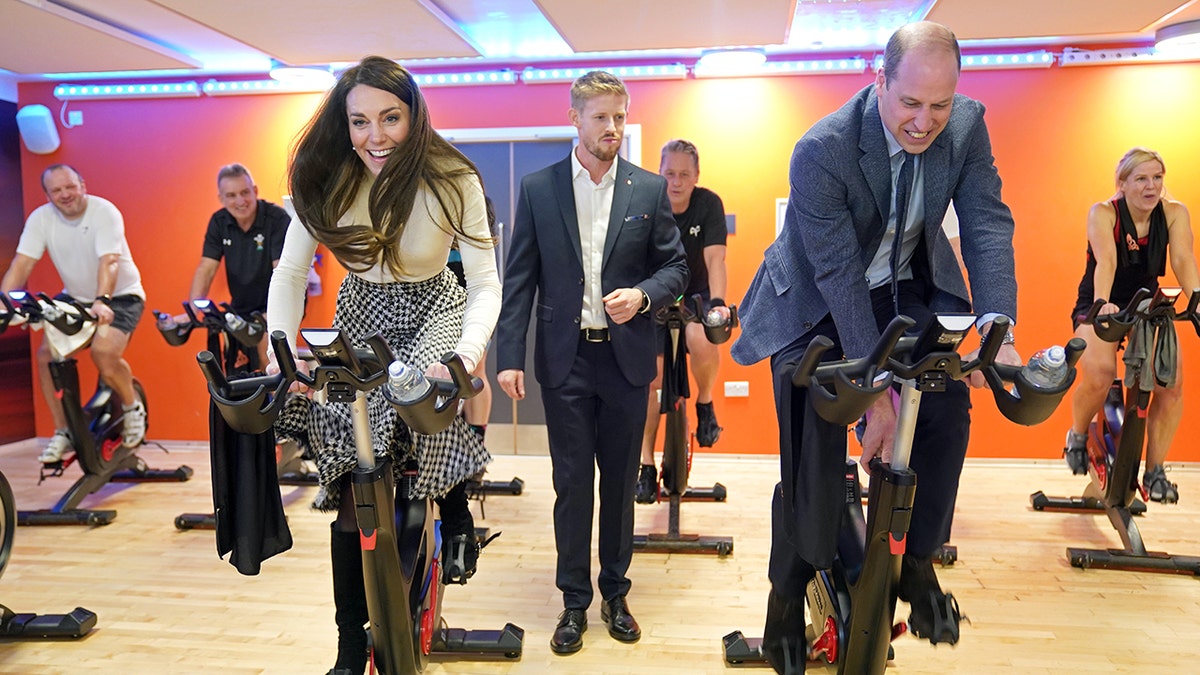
<point x="880" y="434"/>
<point x="1108" y="308"/>
<point x="273" y="369"/>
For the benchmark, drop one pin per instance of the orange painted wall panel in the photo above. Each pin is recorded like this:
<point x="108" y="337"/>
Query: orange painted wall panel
<point x="1056" y="133"/>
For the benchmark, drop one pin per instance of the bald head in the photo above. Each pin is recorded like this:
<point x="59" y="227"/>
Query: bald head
<point x="922" y="36"/>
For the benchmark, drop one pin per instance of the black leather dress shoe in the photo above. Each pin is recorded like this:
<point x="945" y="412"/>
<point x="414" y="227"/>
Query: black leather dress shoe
<point x="621" y="624"/>
<point x="568" y="636"/>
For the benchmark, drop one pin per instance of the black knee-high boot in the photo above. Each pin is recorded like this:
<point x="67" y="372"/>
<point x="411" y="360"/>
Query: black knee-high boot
<point x="349" y="601"/>
<point x="460" y="550"/>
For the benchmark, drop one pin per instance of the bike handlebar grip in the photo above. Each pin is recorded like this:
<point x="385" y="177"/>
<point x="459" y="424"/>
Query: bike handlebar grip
<point x="285" y="360"/>
<point x="809" y="361"/>
<point x="887" y="341"/>
<point x="1113" y="327"/>
<point x="212" y="370"/>
<point x="465" y="386"/>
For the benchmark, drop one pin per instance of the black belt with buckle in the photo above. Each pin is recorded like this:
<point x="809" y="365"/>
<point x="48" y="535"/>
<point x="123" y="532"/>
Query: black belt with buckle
<point x="594" y="334"/>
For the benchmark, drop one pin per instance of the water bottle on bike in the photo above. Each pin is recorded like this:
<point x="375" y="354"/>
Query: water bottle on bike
<point x="405" y="383"/>
<point x="1047" y="368"/>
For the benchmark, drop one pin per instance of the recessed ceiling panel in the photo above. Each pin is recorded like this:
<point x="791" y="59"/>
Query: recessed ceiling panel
<point x="48" y="41"/>
<point x="668" y="24"/>
<point x="1042" y="18"/>
<point x="821" y="24"/>
<point x="303" y="32"/>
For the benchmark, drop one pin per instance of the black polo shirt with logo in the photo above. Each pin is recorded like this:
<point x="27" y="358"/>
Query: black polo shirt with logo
<point x="248" y="255"/>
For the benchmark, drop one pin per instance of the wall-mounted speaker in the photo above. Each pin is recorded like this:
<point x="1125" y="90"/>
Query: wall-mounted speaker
<point x="36" y="125"/>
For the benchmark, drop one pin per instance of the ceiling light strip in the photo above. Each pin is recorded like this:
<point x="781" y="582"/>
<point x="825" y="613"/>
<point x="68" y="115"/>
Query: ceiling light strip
<point x="484" y="77"/>
<point x="673" y="71"/>
<point x="1038" y="59"/>
<point x="97" y="92"/>
<point x="243" y="87"/>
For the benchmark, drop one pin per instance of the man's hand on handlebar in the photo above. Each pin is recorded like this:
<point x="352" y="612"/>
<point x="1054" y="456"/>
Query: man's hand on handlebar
<point x="102" y="312"/>
<point x="879" y="437"/>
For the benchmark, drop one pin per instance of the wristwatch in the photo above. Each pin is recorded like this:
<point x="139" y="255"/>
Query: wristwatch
<point x="106" y="299"/>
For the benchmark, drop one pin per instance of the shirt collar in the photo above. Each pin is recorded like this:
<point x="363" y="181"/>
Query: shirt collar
<point x="892" y="144"/>
<point x="577" y="167"/>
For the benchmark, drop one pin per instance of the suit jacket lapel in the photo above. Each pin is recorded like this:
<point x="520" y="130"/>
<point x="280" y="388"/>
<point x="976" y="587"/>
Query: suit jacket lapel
<point x="565" y="193"/>
<point x="875" y="165"/>
<point x="936" y="162"/>
<point x="622" y="195"/>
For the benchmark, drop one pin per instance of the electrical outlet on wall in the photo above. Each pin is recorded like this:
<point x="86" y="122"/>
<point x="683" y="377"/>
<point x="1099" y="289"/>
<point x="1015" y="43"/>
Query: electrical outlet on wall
<point x="74" y="117"/>
<point x="737" y="389"/>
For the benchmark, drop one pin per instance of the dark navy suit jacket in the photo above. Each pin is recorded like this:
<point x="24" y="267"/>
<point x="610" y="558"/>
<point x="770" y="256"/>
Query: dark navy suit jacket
<point x="642" y="249"/>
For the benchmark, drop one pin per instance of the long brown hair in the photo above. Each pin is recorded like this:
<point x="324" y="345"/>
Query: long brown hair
<point x="325" y="175"/>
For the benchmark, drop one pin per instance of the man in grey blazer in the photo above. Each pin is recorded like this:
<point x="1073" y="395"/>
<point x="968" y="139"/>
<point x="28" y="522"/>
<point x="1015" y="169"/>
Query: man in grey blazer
<point x="594" y="240"/>
<point x="830" y="272"/>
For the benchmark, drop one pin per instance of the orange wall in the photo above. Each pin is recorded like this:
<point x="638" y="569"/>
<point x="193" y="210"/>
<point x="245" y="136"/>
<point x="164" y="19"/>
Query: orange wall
<point x="1057" y="135"/>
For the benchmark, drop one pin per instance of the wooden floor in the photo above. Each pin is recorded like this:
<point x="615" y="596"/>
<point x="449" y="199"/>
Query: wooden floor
<point x="167" y="604"/>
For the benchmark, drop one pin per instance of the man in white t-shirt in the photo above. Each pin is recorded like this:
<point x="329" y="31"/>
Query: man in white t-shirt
<point x="85" y="236"/>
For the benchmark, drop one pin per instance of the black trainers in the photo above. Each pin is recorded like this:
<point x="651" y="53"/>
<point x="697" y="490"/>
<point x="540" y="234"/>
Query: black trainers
<point x="1158" y="487"/>
<point x="707" y="431"/>
<point x="1075" y="453"/>
<point x="935" y="615"/>
<point x="647" y="485"/>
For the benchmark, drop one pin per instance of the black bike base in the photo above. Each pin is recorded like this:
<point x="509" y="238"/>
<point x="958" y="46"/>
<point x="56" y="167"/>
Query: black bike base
<point x="196" y="521"/>
<point x="1118" y="559"/>
<point x="682" y="543"/>
<point x="743" y="651"/>
<point x="716" y="493"/>
<point x="180" y="474"/>
<point x="1041" y="502"/>
<point x="508" y="641"/>
<point x="88" y="517"/>
<point x="26" y="626"/>
<point x="512" y="487"/>
<point x="946" y="555"/>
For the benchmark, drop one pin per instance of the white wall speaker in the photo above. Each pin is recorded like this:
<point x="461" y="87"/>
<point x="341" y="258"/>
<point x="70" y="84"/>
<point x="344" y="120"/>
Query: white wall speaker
<point x="36" y="125"/>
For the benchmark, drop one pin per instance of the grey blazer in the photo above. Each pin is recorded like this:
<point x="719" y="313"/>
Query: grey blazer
<point x="836" y="215"/>
<point x="641" y="249"/>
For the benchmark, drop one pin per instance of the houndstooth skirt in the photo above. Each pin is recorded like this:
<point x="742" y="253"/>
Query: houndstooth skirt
<point x="421" y="321"/>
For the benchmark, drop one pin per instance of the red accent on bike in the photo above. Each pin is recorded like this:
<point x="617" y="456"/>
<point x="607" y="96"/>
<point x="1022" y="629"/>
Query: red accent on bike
<point x="898" y="630"/>
<point x="367" y="541"/>
<point x="826" y="644"/>
<point x="1141" y="412"/>
<point x="896" y="546"/>
<point x="109" y="448"/>
<point x="427" y="615"/>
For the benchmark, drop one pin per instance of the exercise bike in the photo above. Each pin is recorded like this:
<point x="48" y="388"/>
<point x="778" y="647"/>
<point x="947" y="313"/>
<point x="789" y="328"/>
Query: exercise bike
<point x="235" y="337"/>
<point x="852" y="605"/>
<point x="1116" y="440"/>
<point x="678" y="441"/>
<point x="402" y="562"/>
<point x="94" y="427"/>
<point x="26" y="626"/>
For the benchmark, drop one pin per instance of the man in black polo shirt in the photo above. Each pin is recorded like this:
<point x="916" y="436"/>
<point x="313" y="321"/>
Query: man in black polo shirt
<point x="248" y="233"/>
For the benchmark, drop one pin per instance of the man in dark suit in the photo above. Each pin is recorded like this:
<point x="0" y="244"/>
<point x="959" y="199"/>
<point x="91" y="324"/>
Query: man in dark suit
<point x="595" y="240"/>
<point x="830" y="272"/>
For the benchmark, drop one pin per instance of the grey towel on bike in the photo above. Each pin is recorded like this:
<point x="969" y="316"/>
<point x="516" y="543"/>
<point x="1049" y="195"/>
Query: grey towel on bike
<point x="1159" y="332"/>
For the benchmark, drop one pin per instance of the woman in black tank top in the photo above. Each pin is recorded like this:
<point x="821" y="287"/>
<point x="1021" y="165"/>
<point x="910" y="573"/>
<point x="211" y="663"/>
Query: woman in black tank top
<point x="1130" y="239"/>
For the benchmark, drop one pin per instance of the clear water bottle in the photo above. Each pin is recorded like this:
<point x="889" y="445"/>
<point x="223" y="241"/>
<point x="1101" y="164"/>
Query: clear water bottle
<point x="405" y="383"/>
<point x="234" y="322"/>
<point x="1047" y="369"/>
<point x="713" y="317"/>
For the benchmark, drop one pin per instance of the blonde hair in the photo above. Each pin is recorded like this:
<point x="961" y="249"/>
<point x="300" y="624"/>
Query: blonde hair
<point x="596" y="83"/>
<point x="1135" y="157"/>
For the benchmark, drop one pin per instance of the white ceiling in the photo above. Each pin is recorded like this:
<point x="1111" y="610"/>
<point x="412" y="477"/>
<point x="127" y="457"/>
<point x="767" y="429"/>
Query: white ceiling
<point x="48" y="38"/>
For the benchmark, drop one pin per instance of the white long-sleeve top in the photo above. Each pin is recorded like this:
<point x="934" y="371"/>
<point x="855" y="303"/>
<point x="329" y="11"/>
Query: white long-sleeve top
<point x="425" y="248"/>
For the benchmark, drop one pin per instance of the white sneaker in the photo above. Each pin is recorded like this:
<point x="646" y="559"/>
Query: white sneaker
<point x="133" y="425"/>
<point x="58" y="446"/>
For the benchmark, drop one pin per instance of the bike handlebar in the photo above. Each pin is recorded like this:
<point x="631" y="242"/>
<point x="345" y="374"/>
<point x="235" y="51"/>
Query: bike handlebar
<point x="251" y="404"/>
<point x="924" y="359"/>
<point x="1113" y="327"/>
<point x="40" y="307"/>
<point x="680" y="314"/>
